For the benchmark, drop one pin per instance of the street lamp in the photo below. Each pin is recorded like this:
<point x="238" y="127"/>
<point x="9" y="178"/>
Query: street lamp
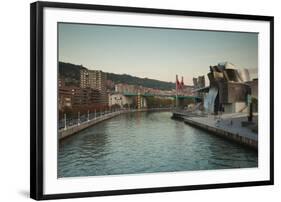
<point x="65" y="127"/>
<point x="78" y="121"/>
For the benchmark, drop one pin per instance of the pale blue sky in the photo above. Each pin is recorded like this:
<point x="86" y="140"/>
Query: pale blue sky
<point x="154" y="52"/>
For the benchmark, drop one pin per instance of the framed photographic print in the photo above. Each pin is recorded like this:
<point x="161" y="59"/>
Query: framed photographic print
<point x="129" y="100"/>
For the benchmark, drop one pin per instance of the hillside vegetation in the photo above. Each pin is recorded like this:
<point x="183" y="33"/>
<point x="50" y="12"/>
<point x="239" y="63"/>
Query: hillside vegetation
<point x="71" y="74"/>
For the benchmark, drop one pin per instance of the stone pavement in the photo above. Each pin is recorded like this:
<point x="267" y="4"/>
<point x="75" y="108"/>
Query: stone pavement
<point x="228" y="125"/>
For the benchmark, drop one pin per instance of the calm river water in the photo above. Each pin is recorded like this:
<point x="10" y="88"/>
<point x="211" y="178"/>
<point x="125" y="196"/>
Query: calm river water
<point x="145" y="142"/>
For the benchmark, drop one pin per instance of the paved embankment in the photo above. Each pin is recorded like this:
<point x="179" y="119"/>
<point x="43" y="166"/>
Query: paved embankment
<point x="66" y="132"/>
<point x="63" y="133"/>
<point x="227" y="126"/>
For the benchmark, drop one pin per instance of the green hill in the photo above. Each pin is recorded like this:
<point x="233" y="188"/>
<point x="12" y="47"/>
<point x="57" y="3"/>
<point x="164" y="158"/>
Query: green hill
<point x="71" y="74"/>
<point x="146" y="82"/>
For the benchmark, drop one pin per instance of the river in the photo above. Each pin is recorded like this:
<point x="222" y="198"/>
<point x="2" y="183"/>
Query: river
<point x="147" y="142"/>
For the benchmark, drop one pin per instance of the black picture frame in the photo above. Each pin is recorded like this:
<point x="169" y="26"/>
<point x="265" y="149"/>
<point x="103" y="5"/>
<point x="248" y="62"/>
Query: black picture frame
<point x="36" y="99"/>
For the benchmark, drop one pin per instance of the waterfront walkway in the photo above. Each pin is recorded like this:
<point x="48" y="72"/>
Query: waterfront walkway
<point x="228" y="126"/>
<point x="70" y="130"/>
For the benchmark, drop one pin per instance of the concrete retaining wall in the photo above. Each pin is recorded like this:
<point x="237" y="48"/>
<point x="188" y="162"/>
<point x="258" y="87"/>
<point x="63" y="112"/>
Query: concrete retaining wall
<point x="223" y="133"/>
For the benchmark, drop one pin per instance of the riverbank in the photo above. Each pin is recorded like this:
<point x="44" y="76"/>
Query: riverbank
<point x="228" y="126"/>
<point x="71" y="130"/>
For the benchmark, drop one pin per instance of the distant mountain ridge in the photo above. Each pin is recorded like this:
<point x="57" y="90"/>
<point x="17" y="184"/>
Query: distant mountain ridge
<point x="145" y="82"/>
<point x="71" y="74"/>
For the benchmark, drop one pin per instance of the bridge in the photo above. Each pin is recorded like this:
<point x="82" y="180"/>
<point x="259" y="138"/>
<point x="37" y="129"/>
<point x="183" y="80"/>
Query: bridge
<point x="141" y="98"/>
<point x="159" y="95"/>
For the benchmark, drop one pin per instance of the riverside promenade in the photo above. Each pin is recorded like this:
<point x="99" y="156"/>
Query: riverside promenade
<point x="227" y="126"/>
<point x="66" y="132"/>
<point x="71" y="130"/>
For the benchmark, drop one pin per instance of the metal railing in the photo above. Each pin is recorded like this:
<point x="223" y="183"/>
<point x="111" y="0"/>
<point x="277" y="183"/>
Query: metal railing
<point x="70" y="122"/>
